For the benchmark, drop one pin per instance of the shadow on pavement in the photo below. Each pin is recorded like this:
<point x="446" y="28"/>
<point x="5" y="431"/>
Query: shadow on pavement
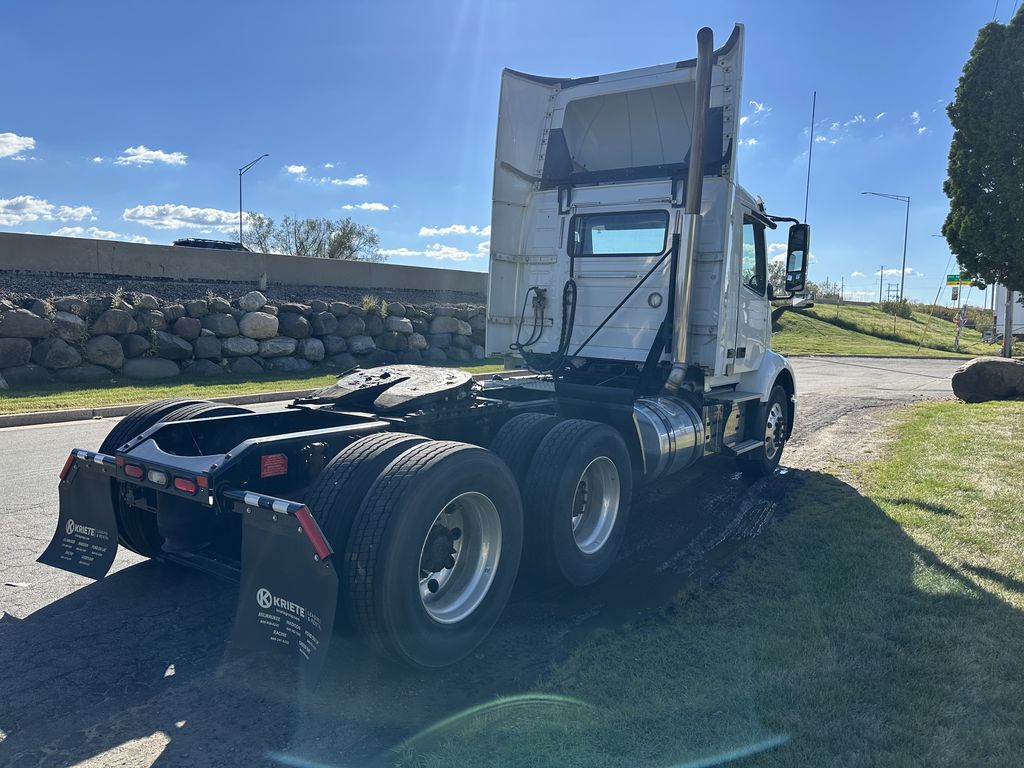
<point x="93" y="672"/>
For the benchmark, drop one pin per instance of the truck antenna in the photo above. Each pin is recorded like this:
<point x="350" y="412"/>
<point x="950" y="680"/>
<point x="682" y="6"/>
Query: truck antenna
<point x="810" y="151"/>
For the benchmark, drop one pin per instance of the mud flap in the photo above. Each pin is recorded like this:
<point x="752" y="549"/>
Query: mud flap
<point x="288" y="590"/>
<point x="85" y="541"/>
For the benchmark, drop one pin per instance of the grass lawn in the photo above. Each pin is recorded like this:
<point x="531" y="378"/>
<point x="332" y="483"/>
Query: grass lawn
<point x="55" y="396"/>
<point x="879" y="626"/>
<point x="864" y="330"/>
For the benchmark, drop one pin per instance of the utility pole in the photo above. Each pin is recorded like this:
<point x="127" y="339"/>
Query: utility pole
<point x="842" y="293"/>
<point x="906" y="228"/>
<point x="242" y="170"/>
<point x="881" y="276"/>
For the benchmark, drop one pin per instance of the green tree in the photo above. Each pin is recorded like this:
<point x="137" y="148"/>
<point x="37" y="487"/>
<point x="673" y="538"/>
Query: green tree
<point x="985" y="184"/>
<point x="316" y="238"/>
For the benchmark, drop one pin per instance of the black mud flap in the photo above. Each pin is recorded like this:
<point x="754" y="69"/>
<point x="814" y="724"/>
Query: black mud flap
<point x="288" y="589"/>
<point x="85" y="541"/>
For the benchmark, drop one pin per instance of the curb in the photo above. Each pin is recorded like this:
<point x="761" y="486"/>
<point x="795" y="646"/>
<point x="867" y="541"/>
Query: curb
<point x="809" y="356"/>
<point x="60" y="416"/>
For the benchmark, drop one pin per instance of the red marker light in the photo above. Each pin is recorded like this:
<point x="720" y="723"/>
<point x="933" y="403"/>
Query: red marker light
<point x="67" y="466"/>
<point x="185" y="485"/>
<point x="203" y="481"/>
<point x="133" y="470"/>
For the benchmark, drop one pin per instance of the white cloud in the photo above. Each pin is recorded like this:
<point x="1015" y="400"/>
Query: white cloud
<point x="880" y="115"/>
<point x="442" y="252"/>
<point x="855" y="120"/>
<point x="96" y="233"/>
<point x="759" y="107"/>
<point x="328" y="165"/>
<point x="366" y="207"/>
<point x="856" y="274"/>
<point x="748" y="142"/>
<point x="921" y="130"/>
<point x="895" y="271"/>
<point x="455" y="229"/>
<point x="143" y="155"/>
<point x="743" y="120"/>
<point x="12" y="145"/>
<point x="97" y="159"/>
<point x="819" y="139"/>
<point x="171" y="216"/>
<point x="915" y="118"/>
<point x="299" y="170"/>
<point x="18" y="210"/>
<point x="359" y="180"/>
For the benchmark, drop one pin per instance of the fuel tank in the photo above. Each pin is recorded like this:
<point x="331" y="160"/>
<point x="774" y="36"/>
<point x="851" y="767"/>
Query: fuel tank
<point x="671" y="435"/>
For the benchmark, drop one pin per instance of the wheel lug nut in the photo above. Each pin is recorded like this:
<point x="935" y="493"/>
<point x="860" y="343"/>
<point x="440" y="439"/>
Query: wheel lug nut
<point x="432" y="586"/>
<point x="450" y="562"/>
<point x="456" y="534"/>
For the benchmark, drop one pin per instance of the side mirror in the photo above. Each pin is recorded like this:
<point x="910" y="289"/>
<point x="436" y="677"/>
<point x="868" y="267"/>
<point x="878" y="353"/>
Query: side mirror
<point x="796" y="257"/>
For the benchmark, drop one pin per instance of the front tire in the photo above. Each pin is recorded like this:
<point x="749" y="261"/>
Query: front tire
<point x="771" y="427"/>
<point x="433" y="553"/>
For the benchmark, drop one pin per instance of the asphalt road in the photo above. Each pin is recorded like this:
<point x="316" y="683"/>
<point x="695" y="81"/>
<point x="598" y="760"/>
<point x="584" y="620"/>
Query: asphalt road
<point x="132" y="670"/>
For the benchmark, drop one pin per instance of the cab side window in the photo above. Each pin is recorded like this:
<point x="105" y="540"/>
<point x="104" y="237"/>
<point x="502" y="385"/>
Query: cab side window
<point x="755" y="265"/>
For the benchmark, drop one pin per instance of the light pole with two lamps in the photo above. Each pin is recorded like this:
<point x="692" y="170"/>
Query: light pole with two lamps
<point x="242" y="170"/>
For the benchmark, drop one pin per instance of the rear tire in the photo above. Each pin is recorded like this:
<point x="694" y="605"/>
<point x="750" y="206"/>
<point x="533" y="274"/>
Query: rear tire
<point x="517" y="440"/>
<point x="136" y="528"/>
<point x="433" y="553"/>
<point x="577" y="502"/>
<point x="771" y="428"/>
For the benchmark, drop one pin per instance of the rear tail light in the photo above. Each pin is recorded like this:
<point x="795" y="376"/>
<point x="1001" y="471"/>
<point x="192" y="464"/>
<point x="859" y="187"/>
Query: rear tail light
<point x="157" y="477"/>
<point x="185" y="485"/>
<point x="134" y="470"/>
<point x="119" y="461"/>
<point x="67" y="466"/>
<point x="203" y="481"/>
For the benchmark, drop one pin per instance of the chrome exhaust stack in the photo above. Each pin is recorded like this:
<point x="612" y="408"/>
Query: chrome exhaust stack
<point x="690" y="239"/>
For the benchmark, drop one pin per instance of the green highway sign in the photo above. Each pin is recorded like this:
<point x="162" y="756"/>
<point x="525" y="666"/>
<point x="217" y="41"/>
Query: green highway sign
<point x="957" y="280"/>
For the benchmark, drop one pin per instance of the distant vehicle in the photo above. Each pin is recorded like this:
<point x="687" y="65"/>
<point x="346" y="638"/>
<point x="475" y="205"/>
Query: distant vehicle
<point x="221" y="245"/>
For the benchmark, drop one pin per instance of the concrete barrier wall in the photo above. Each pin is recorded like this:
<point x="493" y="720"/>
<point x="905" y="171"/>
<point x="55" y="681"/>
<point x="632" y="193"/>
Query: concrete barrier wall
<point x="46" y="254"/>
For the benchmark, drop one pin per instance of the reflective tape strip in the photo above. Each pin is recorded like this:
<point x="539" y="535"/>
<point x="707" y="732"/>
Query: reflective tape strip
<point x="96" y="458"/>
<point x="282" y="506"/>
<point x="251" y="499"/>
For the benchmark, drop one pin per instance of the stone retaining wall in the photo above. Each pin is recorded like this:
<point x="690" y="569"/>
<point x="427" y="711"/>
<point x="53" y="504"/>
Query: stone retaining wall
<point x="94" y="339"/>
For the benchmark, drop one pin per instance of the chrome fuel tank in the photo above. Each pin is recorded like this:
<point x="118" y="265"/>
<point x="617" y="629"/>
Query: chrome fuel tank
<point x="671" y="435"/>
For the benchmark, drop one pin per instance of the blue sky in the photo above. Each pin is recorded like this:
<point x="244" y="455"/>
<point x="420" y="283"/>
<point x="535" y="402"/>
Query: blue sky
<point x="130" y="120"/>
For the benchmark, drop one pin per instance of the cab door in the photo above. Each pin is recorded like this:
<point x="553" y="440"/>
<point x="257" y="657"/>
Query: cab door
<point x="753" y="327"/>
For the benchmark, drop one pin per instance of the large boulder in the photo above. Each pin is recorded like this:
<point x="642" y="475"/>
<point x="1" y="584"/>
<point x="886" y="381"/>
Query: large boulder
<point x="150" y="320"/>
<point x="40" y="307"/>
<point x="246" y="366"/>
<point x="203" y="369"/>
<point x="104" y="350"/>
<point x="339" y="308"/>
<point x="145" y="301"/>
<point x="28" y="375"/>
<point x="69" y="326"/>
<point x="279" y="346"/>
<point x="478" y="322"/>
<point x="411" y="357"/>
<point x="323" y="323"/>
<point x="259" y="325"/>
<point x="134" y="345"/>
<point x="377" y="358"/>
<point x="221" y="324"/>
<point x="86" y="373"/>
<point x="374" y="324"/>
<point x="22" y="324"/>
<point x="351" y="325"/>
<point x="440" y="340"/>
<point x="170" y="346"/>
<point x="219" y="304"/>
<point x="464" y="329"/>
<point x="187" y="327"/>
<point x="461" y="342"/>
<point x="417" y="341"/>
<point x="334" y="344"/>
<point x="393" y="341"/>
<point x="14" y="352"/>
<point x="434" y="355"/>
<point x="289" y="364"/>
<point x="395" y="309"/>
<point x="444" y="311"/>
<point x="316" y="305"/>
<point x="360" y="345"/>
<point x="311" y="349"/>
<point x="458" y="355"/>
<point x="148" y="368"/>
<point x="73" y="305"/>
<point x="299" y="309"/>
<point x="398" y="324"/>
<point x="253" y="301"/>
<point x="293" y="324"/>
<point x="989" y="378"/>
<point x="478" y="352"/>
<point x="444" y="324"/>
<point x="173" y="311"/>
<point x="114" y="322"/>
<point x="239" y="346"/>
<point x="197" y="308"/>
<point x="55" y="353"/>
<point x="341" y="363"/>
<point x="207" y="348"/>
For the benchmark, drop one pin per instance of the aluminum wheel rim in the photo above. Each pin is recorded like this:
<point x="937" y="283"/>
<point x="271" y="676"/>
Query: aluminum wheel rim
<point x="774" y="431"/>
<point x="595" y="505"/>
<point x="451" y="594"/>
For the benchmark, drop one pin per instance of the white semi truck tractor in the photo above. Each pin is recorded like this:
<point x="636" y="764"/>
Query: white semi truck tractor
<point x="628" y="272"/>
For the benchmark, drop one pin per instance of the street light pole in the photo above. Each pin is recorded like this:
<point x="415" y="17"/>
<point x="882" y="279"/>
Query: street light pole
<point x="906" y="229"/>
<point x="242" y="170"/>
